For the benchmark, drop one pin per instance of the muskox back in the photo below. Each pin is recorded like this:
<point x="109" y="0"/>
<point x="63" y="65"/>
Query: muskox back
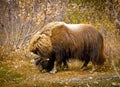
<point x="81" y="41"/>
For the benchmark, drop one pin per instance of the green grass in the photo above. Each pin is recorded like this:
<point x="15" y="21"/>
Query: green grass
<point x="3" y="70"/>
<point x="8" y="78"/>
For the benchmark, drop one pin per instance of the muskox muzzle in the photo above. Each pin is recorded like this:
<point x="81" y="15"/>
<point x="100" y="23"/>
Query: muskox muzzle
<point x="42" y="64"/>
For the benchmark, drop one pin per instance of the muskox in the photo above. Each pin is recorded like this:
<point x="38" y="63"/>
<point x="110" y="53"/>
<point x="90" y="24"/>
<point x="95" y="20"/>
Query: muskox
<point x="57" y="42"/>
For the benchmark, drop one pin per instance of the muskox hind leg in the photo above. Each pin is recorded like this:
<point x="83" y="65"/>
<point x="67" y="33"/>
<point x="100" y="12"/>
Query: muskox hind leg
<point x="93" y="68"/>
<point x="94" y="60"/>
<point x="84" y="66"/>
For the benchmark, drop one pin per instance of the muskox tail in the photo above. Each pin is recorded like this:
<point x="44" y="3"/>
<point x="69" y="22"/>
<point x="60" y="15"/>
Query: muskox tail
<point x="101" y="58"/>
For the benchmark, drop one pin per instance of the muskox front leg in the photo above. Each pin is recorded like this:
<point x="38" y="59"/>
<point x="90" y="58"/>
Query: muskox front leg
<point x="54" y="70"/>
<point x="57" y="66"/>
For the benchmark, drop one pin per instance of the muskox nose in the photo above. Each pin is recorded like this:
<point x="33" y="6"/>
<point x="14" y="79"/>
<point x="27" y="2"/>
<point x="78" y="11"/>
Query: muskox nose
<point x="36" y="61"/>
<point x="40" y="67"/>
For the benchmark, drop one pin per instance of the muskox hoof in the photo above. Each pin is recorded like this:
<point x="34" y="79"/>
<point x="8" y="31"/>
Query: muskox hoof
<point x="65" y="68"/>
<point x="53" y="72"/>
<point x="84" y="68"/>
<point x="92" y="71"/>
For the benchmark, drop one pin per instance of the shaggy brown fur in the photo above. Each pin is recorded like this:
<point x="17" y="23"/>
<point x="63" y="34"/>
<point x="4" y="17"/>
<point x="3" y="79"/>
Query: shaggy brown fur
<point x="60" y="41"/>
<point x="41" y="41"/>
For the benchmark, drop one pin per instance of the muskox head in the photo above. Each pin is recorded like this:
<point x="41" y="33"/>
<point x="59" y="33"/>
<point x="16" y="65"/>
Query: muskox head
<point x="43" y="64"/>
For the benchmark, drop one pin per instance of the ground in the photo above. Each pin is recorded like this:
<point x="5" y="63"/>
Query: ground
<point x="21" y="72"/>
